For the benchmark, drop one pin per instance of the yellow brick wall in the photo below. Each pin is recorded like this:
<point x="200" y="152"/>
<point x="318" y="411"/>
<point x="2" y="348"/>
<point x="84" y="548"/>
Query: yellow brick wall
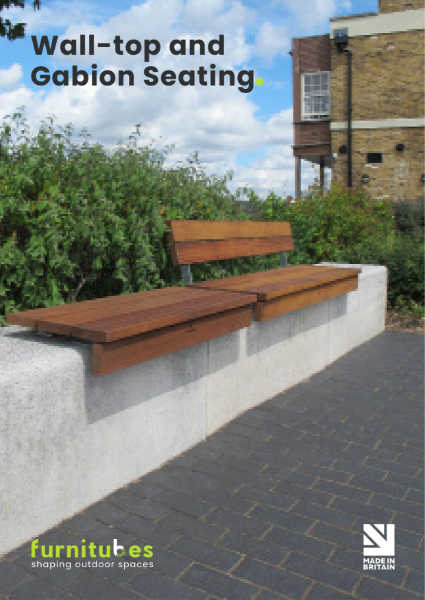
<point x="388" y="77"/>
<point x="388" y="83"/>
<point x="388" y="6"/>
<point x="399" y="175"/>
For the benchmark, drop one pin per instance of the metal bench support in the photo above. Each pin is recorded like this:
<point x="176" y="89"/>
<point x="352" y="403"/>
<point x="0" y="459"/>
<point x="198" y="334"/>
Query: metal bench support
<point x="283" y="259"/>
<point x="186" y="274"/>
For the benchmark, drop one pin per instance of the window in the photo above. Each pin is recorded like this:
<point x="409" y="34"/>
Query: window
<point x="316" y="96"/>
<point x="374" y="157"/>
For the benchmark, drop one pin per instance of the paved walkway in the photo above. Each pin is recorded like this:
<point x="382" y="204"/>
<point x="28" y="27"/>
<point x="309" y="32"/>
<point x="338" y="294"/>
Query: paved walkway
<point x="273" y="505"/>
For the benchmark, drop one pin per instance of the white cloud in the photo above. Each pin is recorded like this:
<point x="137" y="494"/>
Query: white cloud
<point x="313" y="14"/>
<point x="11" y="76"/>
<point x="272" y="40"/>
<point x="219" y="122"/>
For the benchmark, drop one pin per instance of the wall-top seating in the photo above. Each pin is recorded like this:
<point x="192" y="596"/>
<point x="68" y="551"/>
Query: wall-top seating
<point x="277" y="291"/>
<point x="132" y="328"/>
<point x="128" y="329"/>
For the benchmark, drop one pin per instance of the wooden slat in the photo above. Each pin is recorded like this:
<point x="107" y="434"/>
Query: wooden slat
<point x="253" y="281"/>
<point x="63" y="323"/>
<point x="192" y="231"/>
<point x="187" y="253"/>
<point x="124" y="326"/>
<point x="149" y="311"/>
<point x="284" y="304"/>
<point x="124" y="353"/>
<point x="30" y="318"/>
<point x="279" y="282"/>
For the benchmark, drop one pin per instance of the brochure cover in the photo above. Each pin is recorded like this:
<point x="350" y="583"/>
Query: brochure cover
<point x="211" y="299"/>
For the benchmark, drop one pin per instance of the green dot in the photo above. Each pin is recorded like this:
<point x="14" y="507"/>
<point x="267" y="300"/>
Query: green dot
<point x="259" y="81"/>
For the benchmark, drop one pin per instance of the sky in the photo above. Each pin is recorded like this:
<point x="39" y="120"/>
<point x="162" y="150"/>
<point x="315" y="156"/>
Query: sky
<point x="250" y="134"/>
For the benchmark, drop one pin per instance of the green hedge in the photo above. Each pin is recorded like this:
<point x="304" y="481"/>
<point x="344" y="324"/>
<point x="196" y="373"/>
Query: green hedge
<point x="80" y="221"/>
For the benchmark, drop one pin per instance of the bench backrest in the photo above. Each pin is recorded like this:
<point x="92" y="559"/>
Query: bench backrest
<point x="203" y="241"/>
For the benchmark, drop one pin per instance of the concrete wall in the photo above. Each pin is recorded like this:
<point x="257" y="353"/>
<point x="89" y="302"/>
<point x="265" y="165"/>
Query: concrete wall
<point x="68" y="438"/>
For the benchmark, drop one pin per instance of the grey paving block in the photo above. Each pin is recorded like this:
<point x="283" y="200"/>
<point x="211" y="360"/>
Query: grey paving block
<point x="415" y="582"/>
<point x="144" y="529"/>
<point x="12" y="577"/>
<point x="274" y="516"/>
<point x="277" y="580"/>
<point x="367" y="483"/>
<point x="336" y="535"/>
<point x="325" y="592"/>
<point x="245" y="545"/>
<point x="238" y="523"/>
<point x="378" y="590"/>
<point x="152" y="584"/>
<point x="343" y="579"/>
<point x="186" y="503"/>
<point x="39" y="589"/>
<point x="96" y="588"/>
<point x="299" y="542"/>
<point x="371" y="513"/>
<point x="321" y="513"/>
<point x="137" y="505"/>
<point x="413" y="509"/>
<point x="208" y="554"/>
<point x="302" y="492"/>
<point x="105" y="512"/>
<point x="192" y="527"/>
<point x="339" y="489"/>
<point x="62" y="576"/>
<point x="266" y="497"/>
<point x="217" y="584"/>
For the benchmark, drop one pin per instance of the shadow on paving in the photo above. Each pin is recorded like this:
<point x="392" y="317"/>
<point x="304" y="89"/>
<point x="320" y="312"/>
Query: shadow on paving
<point x="272" y="505"/>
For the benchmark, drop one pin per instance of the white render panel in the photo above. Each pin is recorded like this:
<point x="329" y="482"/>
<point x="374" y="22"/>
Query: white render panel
<point x="379" y="124"/>
<point x="406" y="20"/>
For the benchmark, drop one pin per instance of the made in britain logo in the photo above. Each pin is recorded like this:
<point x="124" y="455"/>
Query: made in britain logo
<point x="378" y="547"/>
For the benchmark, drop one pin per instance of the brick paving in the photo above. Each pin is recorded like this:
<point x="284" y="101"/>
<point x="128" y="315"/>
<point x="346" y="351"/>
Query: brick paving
<point x="272" y="505"/>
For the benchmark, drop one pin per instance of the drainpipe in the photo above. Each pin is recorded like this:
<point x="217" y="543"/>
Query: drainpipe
<point x="350" y="117"/>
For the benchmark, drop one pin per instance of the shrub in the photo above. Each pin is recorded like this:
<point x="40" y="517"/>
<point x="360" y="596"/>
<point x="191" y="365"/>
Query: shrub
<point x="409" y="217"/>
<point x="324" y="224"/>
<point x="404" y="257"/>
<point x="79" y="222"/>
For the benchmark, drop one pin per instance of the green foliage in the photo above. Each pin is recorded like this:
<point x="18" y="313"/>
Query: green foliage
<point x="409" y="217"/>
<point x="79" y="221"/>
<point x="7" y="28"/>
<point x="403" y="254"/>
<point x="324" y="224"/>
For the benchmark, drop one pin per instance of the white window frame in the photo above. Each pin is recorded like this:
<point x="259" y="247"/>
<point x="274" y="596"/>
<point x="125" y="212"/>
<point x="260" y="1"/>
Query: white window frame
<point x="315" y="116"/>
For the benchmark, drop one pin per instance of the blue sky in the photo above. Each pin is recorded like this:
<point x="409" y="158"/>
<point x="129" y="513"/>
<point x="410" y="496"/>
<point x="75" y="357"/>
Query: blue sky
<point x="250" y="134"/>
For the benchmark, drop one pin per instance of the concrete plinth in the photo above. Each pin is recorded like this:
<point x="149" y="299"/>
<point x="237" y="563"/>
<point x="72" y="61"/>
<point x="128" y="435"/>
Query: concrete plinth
<point x="68" y="438"/>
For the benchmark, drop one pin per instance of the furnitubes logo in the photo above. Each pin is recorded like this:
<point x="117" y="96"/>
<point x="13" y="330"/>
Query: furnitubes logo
<point x="378" y="543"/>
<point x="89" y="551"/>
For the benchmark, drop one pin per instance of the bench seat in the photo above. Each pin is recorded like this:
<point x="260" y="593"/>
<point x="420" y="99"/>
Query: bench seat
<point x="132" y="328"/>
<point x="280" y="291"/>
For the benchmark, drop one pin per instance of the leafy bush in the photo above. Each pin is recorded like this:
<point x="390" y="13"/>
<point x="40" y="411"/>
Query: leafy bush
<point x="324" y="224"/>
<point x="409" y="217"/>
<point x="78" y="221"/>
<point x="404" y="257"/>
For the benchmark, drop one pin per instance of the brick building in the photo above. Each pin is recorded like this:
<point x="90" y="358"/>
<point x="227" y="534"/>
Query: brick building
<point x="370" y="68"/>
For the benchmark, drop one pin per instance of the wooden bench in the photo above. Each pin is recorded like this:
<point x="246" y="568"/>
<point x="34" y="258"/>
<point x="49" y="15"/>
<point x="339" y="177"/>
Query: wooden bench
<point x="277" y="291"/>
<point x="128" y="329"/>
